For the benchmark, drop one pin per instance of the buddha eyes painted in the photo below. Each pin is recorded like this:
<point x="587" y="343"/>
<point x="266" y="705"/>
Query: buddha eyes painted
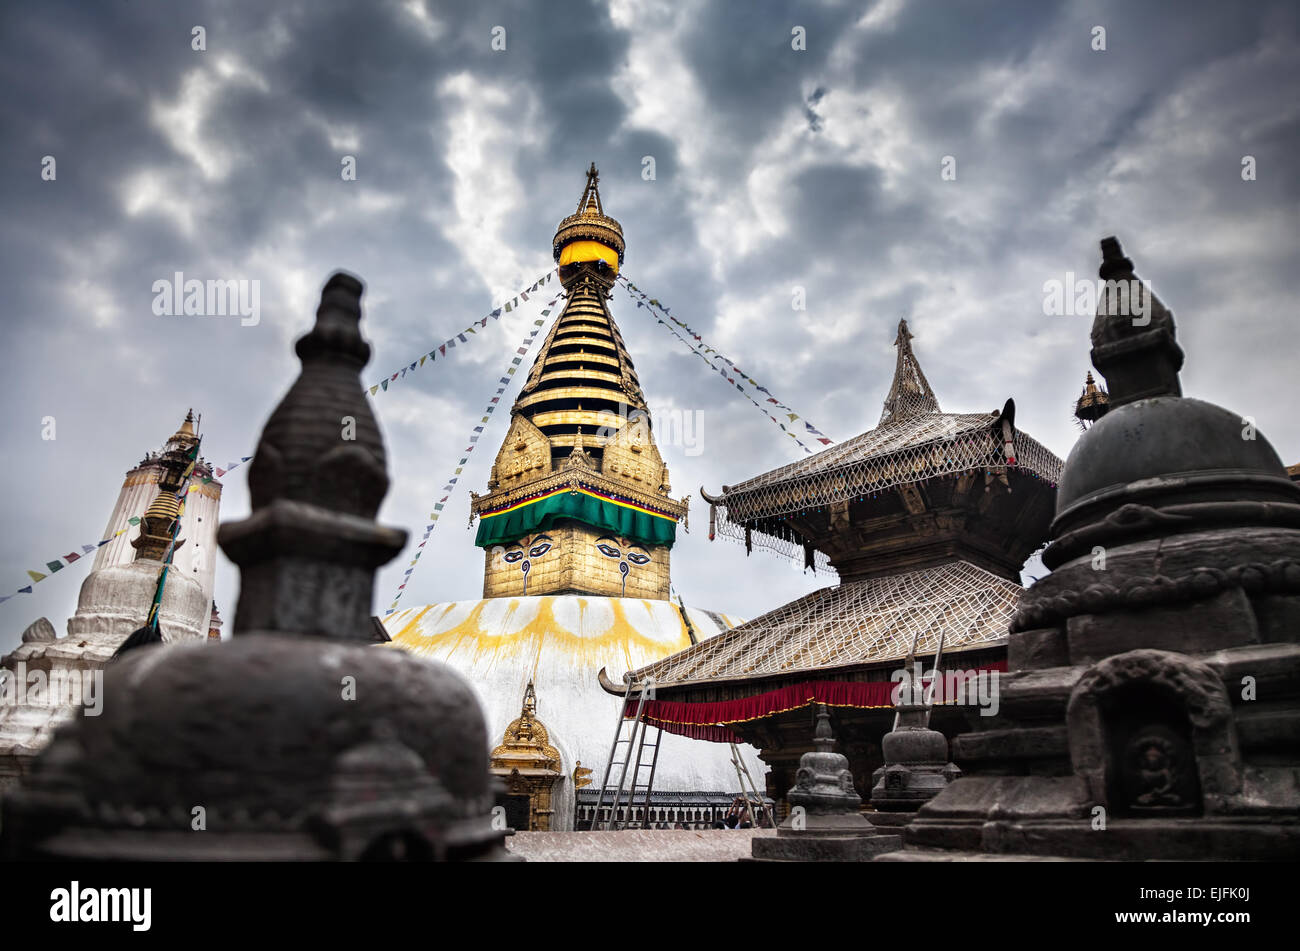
<point x="627" y="553"/>
<point x="524" y="551"/>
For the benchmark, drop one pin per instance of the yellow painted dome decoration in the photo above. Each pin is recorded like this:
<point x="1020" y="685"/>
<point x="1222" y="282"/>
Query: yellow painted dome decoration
<point x="559" y="644"/>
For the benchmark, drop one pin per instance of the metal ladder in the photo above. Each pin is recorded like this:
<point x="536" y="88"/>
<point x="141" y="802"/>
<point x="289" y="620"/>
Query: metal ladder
<point x="631" y="734"/>
<point x="757" y="805"/>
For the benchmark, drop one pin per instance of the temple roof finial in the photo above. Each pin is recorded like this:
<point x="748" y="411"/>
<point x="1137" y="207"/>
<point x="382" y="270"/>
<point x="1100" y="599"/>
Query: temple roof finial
<point x="589" y="236"/>
<point x="1092" y="404"/>
<point x="184" y="438"/>
<point x="910" y="392"/>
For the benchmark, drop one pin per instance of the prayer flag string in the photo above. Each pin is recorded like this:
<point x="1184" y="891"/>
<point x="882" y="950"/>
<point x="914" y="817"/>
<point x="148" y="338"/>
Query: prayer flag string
<point x="728" y="371"/>
<point x="462" y="338"/>
<point x="58" y="564"/>
<point x="475" y="434"/>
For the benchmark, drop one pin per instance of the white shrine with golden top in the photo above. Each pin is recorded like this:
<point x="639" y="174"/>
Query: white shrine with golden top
<point x="577" y="527"/>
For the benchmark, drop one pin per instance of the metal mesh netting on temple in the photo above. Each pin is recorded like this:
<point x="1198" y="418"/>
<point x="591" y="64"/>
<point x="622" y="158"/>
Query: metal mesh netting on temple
<point x="853" y="623"/>
<point x="913" y="443"/>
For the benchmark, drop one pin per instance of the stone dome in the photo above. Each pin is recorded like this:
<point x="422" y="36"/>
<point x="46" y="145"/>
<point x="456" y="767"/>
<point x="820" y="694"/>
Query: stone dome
<point x="1179" y="448"/>
<point x="157" y="750"/>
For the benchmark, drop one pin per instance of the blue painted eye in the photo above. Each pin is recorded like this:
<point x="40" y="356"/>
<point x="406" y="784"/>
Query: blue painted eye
<point x="637" y="558"/>
<point x="608" y="550"/>
<point x="513" y="556"/>
<point x="537" y="551"/>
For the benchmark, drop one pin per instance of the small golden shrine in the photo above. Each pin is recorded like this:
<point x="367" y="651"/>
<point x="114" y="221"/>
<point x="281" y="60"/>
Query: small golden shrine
<point x="530" y="768"/>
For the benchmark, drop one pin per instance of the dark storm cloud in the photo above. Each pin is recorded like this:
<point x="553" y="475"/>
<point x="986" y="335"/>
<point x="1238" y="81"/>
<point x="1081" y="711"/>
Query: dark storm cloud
<point x="775" y="169"/>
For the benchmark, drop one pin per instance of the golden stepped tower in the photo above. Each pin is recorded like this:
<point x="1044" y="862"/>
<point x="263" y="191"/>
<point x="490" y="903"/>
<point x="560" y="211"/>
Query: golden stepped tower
<point x="579" y="497"/>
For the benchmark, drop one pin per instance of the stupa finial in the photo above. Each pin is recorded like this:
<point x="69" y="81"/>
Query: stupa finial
<point x="1134" y="345"/>
<point x="589" y="203"/>
<point x="823" y="737"/>
<point x="309" y="551"/>
<point x="589" y="237"/>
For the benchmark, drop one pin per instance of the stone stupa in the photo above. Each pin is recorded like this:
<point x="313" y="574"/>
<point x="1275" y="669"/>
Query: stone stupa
<point x="1154" y="689"/>
<point x="295" y="740"/>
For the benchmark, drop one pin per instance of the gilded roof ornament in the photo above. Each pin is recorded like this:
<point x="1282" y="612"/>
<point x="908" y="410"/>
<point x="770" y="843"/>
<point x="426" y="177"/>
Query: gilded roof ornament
<point x="1092" y="404"/>
<point x="590" y="223"/>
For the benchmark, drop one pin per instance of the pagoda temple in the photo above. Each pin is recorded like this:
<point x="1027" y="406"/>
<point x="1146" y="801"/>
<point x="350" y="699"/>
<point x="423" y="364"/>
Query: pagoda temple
<point x="577" y="528"/>
<point x="928" y="519"/>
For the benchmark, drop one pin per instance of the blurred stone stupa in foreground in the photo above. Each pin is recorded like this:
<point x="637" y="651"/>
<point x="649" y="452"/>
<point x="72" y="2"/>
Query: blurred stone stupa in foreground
<point x="1152" y="710"/>
<point x="294" y="740"/>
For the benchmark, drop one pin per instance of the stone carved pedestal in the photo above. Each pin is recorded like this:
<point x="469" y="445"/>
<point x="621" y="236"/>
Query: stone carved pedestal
<point x="1154" y="693"/>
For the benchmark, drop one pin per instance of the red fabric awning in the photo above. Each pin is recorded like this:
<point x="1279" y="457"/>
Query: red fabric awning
<point x="711" y="720"/>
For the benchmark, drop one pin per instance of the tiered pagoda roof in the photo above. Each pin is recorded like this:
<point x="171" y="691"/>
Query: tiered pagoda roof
<point x="904" y="466"/>
<point x="928" y="517"/>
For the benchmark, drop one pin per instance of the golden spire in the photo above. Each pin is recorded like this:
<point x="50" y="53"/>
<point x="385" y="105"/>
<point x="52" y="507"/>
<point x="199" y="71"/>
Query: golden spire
<point x="589" y="241"/>
<point x="185" y="435"/>
<point x="583" y="377"/>
<point x="589" y="203"/>
<point x="1093" y="402"/>
<point x="526" y="741"/>
<point x="156" y="528"/>
<point x="569" y="429"/>
<point x="177" y="454"/>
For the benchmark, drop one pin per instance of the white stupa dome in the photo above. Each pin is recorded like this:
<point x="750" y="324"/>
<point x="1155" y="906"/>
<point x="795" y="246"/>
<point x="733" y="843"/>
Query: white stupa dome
<point x="561" y="643"/>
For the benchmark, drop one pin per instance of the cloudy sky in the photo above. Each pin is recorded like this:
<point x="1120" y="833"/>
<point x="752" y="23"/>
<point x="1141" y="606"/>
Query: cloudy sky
<point x="775" y="168"/>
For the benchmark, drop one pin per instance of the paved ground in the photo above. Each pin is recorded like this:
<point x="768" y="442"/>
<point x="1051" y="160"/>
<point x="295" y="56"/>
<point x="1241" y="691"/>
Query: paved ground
<point x="636" y="845"/>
